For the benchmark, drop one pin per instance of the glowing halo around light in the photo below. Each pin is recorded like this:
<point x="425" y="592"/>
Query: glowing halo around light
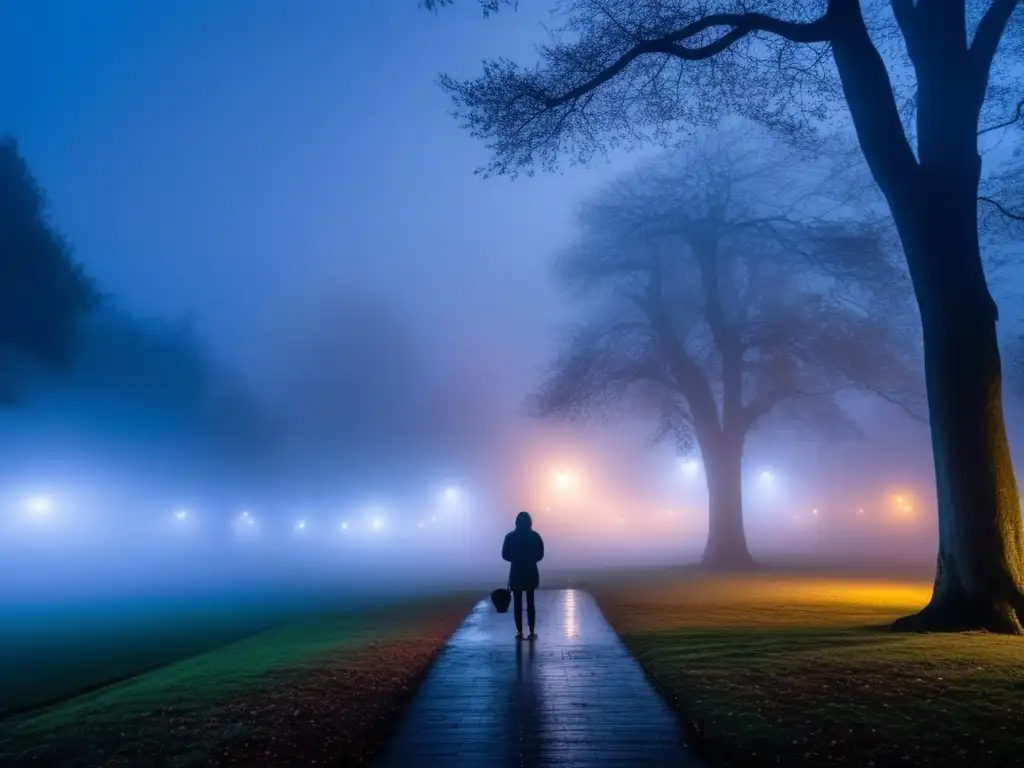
<point x="39" y="505"/>
<point x="245" y="524"/>
<point x="564" y="480"/>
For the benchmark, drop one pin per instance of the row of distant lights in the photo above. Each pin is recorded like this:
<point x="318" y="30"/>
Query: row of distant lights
<point x="248" y="520"/>
<point x="42" y="505"/>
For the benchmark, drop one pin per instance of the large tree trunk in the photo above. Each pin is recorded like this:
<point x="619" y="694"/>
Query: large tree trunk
<point x="979" y="581"/>
<point x="726" y="547"/>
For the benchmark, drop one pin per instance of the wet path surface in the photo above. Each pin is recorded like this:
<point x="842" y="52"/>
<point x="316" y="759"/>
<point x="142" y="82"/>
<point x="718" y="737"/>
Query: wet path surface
<point x="574" y="697"/>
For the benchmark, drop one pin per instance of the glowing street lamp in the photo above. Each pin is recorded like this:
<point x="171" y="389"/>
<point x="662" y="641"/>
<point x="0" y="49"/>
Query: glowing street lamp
<point x="904" y="505"/>
<point x="39" y="505"/>
<point x="563" y="481"/>
<point x="245" y="523"/>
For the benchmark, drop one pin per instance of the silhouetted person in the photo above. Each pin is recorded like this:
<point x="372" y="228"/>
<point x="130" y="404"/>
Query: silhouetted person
<point x="523" y="548"/>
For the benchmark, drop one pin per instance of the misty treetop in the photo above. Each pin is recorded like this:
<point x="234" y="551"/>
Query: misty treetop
<point x="43" y="291"/>
<point x="711" y="297"/>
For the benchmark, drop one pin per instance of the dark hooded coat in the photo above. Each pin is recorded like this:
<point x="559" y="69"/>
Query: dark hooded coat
<point x="523" y="548"/>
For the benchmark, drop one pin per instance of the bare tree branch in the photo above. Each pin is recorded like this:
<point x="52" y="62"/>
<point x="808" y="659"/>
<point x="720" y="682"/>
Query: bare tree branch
<point x="999" y="207"/>
<point x="1005" y="123"/>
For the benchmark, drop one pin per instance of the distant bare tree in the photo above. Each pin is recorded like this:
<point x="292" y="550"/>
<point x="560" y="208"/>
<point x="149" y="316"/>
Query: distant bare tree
<point x="919" y="80"/>
<point x="713" y="297"/>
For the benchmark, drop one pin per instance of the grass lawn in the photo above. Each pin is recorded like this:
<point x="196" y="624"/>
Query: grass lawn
<point x="53" y="654"/>
<point x="323" y="687"/>
<point x="798" y="670"/>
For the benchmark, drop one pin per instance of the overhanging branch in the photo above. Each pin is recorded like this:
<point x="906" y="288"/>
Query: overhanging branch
<point x="740" y="25"/>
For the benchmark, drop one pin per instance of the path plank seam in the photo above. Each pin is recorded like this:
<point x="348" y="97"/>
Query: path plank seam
<point x="574" y="697"/>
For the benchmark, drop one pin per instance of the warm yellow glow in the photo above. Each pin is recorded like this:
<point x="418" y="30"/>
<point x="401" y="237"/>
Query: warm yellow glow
<point x="903" y="505"/>
<point x="565" y="480"/>
<point x="773" y="602"/>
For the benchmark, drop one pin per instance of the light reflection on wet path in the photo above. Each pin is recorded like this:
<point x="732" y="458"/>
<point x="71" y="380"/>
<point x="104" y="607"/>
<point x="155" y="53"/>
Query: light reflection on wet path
<point x="574" y="697"/>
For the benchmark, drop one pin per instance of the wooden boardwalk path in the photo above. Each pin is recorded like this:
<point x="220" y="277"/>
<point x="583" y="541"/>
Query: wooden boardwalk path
<point x="574" y="697"/>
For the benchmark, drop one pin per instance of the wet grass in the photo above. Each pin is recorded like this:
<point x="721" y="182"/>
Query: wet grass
<point x="204" y="709"/>
<point x="801" y="671"/>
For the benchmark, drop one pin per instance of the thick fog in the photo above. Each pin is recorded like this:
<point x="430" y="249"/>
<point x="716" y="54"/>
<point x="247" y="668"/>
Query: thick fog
<point x="319" y="334"/>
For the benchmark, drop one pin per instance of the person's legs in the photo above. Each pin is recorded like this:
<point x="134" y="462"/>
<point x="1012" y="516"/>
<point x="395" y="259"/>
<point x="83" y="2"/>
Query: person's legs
<point x="517" y="607"/>
<point x="531" y="610"/>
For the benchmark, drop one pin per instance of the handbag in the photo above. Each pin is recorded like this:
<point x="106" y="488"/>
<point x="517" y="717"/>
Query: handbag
<point x="501" y="599"/>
